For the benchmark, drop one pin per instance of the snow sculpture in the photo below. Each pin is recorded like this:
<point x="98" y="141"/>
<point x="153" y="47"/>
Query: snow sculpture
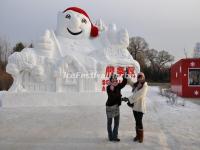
<point x="76" y="47"/>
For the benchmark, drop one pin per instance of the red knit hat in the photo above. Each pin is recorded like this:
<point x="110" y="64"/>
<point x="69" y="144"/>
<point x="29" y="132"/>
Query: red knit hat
<point x="94" y="30"/>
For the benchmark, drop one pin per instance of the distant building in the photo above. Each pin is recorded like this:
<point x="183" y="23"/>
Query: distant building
<point x="185" y="77"/>
<point x="197" y="51"/>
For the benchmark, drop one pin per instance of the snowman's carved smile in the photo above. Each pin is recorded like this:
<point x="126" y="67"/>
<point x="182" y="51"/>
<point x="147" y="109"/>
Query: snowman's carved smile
<point x="74" y="33"/>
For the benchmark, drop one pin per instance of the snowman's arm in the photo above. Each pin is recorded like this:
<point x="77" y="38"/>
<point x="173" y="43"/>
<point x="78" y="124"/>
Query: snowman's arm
<point x="57" y="45"/>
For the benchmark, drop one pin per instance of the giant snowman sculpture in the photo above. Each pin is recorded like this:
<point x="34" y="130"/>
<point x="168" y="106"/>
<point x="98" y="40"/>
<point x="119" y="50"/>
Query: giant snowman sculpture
<point x="60" y="58"/>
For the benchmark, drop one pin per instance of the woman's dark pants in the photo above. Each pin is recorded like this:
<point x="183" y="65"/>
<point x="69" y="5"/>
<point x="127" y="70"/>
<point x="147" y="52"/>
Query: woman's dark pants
<point x="113" y="134"/>
<point x="138" y="119"/>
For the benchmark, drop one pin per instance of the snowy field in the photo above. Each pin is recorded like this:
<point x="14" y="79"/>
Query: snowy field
<point x="83" y="127"/>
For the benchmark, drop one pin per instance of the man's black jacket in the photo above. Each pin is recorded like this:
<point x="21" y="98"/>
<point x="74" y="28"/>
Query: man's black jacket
<point x="114" y="97"/>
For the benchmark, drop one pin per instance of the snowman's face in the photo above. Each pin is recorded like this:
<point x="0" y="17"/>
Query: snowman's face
<point x="75" y="25"/>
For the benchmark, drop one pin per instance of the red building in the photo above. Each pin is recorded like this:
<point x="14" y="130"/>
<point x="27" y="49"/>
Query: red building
<point x="185" y="77"/>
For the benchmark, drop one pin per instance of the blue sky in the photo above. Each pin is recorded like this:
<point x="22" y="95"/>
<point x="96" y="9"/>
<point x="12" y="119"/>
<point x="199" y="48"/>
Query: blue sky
<point x="170" y="25"/>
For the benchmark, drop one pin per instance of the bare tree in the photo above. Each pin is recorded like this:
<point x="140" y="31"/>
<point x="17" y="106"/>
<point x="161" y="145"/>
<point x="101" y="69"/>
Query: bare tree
<point x="163" y="58"/>
<point x="151" y="56"/>
<point x="158" y="59"/>
<point x="5" y="51"/>
<point x="137" y="45"/>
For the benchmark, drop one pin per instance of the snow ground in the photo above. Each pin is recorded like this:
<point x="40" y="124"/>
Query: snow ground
<point x="84" y="127"/>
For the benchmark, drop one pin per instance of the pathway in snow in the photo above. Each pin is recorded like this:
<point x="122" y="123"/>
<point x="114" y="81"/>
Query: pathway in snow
<point x="84" y="127"/>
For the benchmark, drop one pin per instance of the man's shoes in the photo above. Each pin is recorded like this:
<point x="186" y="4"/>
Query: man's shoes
<point x="110" y="140"/>
<point x="116" y="140"/>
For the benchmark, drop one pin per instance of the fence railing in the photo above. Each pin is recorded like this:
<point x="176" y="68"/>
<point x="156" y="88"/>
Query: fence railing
<point x="172" y="97"/>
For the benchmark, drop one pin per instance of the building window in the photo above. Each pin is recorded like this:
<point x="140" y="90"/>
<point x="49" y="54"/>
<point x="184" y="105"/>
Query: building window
<point x="194" y="77"/>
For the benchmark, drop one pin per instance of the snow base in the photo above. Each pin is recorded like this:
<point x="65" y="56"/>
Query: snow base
<point x="43" y="99"/>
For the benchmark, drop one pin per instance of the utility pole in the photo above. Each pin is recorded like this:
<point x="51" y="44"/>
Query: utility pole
<point x="185" y="53"/>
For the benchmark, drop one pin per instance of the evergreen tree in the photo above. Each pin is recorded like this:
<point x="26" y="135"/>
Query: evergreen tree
<point x="18" y="47"/>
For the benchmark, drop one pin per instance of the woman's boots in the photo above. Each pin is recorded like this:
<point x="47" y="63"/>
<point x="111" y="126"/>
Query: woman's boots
<point x="136" y="137"/>
<point x="139" y="135"/>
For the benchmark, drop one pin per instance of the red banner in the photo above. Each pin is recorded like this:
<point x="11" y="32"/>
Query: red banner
<point x="119" y="70"/>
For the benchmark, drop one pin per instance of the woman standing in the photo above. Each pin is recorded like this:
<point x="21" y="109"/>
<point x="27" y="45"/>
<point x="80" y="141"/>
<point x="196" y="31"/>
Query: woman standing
<point x="112" y="106"/>
<point x="138" y="103"/>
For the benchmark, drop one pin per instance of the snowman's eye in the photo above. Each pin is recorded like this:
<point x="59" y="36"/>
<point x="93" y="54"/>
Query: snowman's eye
<point x="84" y="20"/>
<point x="68" y="16"/>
